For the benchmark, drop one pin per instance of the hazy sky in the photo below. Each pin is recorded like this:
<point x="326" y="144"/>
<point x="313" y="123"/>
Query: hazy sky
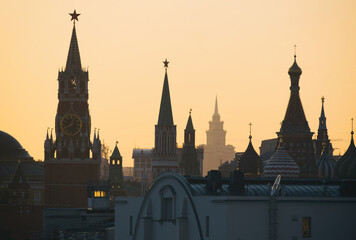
<point x="237" y="50"/>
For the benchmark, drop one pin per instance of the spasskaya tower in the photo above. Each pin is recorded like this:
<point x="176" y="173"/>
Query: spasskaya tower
<point x="69" y="167"/>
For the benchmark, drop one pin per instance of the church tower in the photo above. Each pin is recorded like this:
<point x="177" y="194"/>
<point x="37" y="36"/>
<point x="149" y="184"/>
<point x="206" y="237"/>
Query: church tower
<point x="189" y="163"/>
<point x="323" y="141"/>
<point x="295" y="131"/>
<point x="68" y="166"/>
<point x="216" y="151"/>
<point x="116" y="175"/>
<point x="165" y="151"/>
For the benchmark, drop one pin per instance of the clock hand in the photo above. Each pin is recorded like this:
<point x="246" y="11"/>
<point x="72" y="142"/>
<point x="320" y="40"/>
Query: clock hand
<point x="71" y="124"/>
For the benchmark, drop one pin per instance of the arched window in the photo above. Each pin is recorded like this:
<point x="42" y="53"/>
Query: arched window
<point x="167" y="203"/>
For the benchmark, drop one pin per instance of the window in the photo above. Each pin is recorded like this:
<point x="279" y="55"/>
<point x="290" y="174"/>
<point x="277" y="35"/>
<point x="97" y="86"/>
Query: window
<point x="167" y="208"/>
<point x="306" y="227"/>
<point x="99" y="194"/>
<point x="167" y="203"/>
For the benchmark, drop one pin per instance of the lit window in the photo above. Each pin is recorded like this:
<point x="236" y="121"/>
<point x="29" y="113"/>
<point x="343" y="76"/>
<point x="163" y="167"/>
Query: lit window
<point x="99" y="194"/>
<point x="306" y="227"/>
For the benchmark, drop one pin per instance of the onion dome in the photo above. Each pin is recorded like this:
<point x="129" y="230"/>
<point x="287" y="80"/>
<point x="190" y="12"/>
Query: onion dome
<point x="325" y="166"/>
<point x="345" y="167"/>
<point x="295" y="70"/>
<point x="11" y="149"/>
<point x="281" y="163"/>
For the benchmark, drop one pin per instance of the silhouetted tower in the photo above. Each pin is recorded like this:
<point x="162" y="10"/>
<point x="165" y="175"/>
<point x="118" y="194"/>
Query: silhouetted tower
<point x="250" y="162"/>
<point x="189" y="163"/>
<point x="68" y="166"/>
<point x="116" y="175"/>
<point x="164" y="153"/>
<point x="49" y="146"/>
<point x="345" y="167"/>
<point x="323" y="141"/>
<point x="297" y="136"/>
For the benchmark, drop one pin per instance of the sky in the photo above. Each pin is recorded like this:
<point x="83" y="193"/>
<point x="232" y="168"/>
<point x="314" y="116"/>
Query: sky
<point x="239" y="51"/>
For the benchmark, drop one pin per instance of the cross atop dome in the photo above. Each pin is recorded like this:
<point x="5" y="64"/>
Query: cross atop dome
<point x="352" y="126"/>
<point x="250" y="131"/>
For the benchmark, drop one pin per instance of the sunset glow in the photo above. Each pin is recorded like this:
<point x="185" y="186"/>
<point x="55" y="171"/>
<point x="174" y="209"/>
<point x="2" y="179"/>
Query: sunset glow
<point x="239" y="51"/>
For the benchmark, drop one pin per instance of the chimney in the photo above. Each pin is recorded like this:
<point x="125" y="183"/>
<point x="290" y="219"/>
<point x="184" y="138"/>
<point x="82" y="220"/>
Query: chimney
<point x="214" y="182"/>
<point x="237" y="182"/>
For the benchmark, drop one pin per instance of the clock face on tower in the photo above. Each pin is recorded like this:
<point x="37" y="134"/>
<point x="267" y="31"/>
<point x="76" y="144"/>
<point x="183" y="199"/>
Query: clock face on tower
<point x="71" y="124"/>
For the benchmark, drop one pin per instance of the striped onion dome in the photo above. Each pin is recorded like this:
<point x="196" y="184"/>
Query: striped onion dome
<point x="325" y="166"/>
<point x="281" y="163"/>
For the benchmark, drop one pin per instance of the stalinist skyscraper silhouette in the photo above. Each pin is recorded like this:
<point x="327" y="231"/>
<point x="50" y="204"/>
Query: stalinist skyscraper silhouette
<point x="216" y="150"/>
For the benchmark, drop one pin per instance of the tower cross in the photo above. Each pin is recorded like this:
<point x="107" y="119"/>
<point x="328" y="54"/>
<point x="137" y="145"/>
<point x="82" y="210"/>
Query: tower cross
<point x="352" y="125"/>
<point x="250" y="130"/>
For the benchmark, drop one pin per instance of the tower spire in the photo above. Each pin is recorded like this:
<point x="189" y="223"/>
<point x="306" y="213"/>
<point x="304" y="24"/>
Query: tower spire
<point x="47" y="134"/>
<point x="165" y="117"/>
<point x="322" y="118"/>
<point x="352" y="127"/>
<point x="73" y="60"/>
<point x="216" y="105"/>
<point x="250" y="137"/>
<point x="189" y="125"/>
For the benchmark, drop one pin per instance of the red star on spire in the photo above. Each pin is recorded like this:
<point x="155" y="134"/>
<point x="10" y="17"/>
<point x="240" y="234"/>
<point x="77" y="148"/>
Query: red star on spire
<point x="74" y="15"/>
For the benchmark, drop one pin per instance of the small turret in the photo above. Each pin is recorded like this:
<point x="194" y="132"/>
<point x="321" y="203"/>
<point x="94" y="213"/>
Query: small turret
<point x="116" y="175"/>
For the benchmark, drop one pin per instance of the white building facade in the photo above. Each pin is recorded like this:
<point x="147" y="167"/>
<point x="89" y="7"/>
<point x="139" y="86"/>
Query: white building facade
<point x="211" y="208"/>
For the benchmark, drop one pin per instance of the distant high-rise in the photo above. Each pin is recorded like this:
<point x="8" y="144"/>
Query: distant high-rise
<point x="216" y="151"/>
<point x="295" y="131"/>
<point x="165" y="151"/>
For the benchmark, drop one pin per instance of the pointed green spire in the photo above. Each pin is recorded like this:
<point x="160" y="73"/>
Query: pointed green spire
<point x="73" y="60"/>
<point x="165" y="112"/>
<point x="190" y="126"/>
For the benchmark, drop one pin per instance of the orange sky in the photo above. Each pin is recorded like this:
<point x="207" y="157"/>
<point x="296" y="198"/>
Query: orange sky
<point x="237" y="50"/>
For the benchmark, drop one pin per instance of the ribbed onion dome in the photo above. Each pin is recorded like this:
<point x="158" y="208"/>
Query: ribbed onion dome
<point x="325" y="166"/>
<point x="281" y="163"/>
<point x="295" y="69"/>
<point x="345" y="167"/>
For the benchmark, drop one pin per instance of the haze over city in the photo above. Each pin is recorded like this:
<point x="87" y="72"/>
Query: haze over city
<point x="238" y="51"/>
